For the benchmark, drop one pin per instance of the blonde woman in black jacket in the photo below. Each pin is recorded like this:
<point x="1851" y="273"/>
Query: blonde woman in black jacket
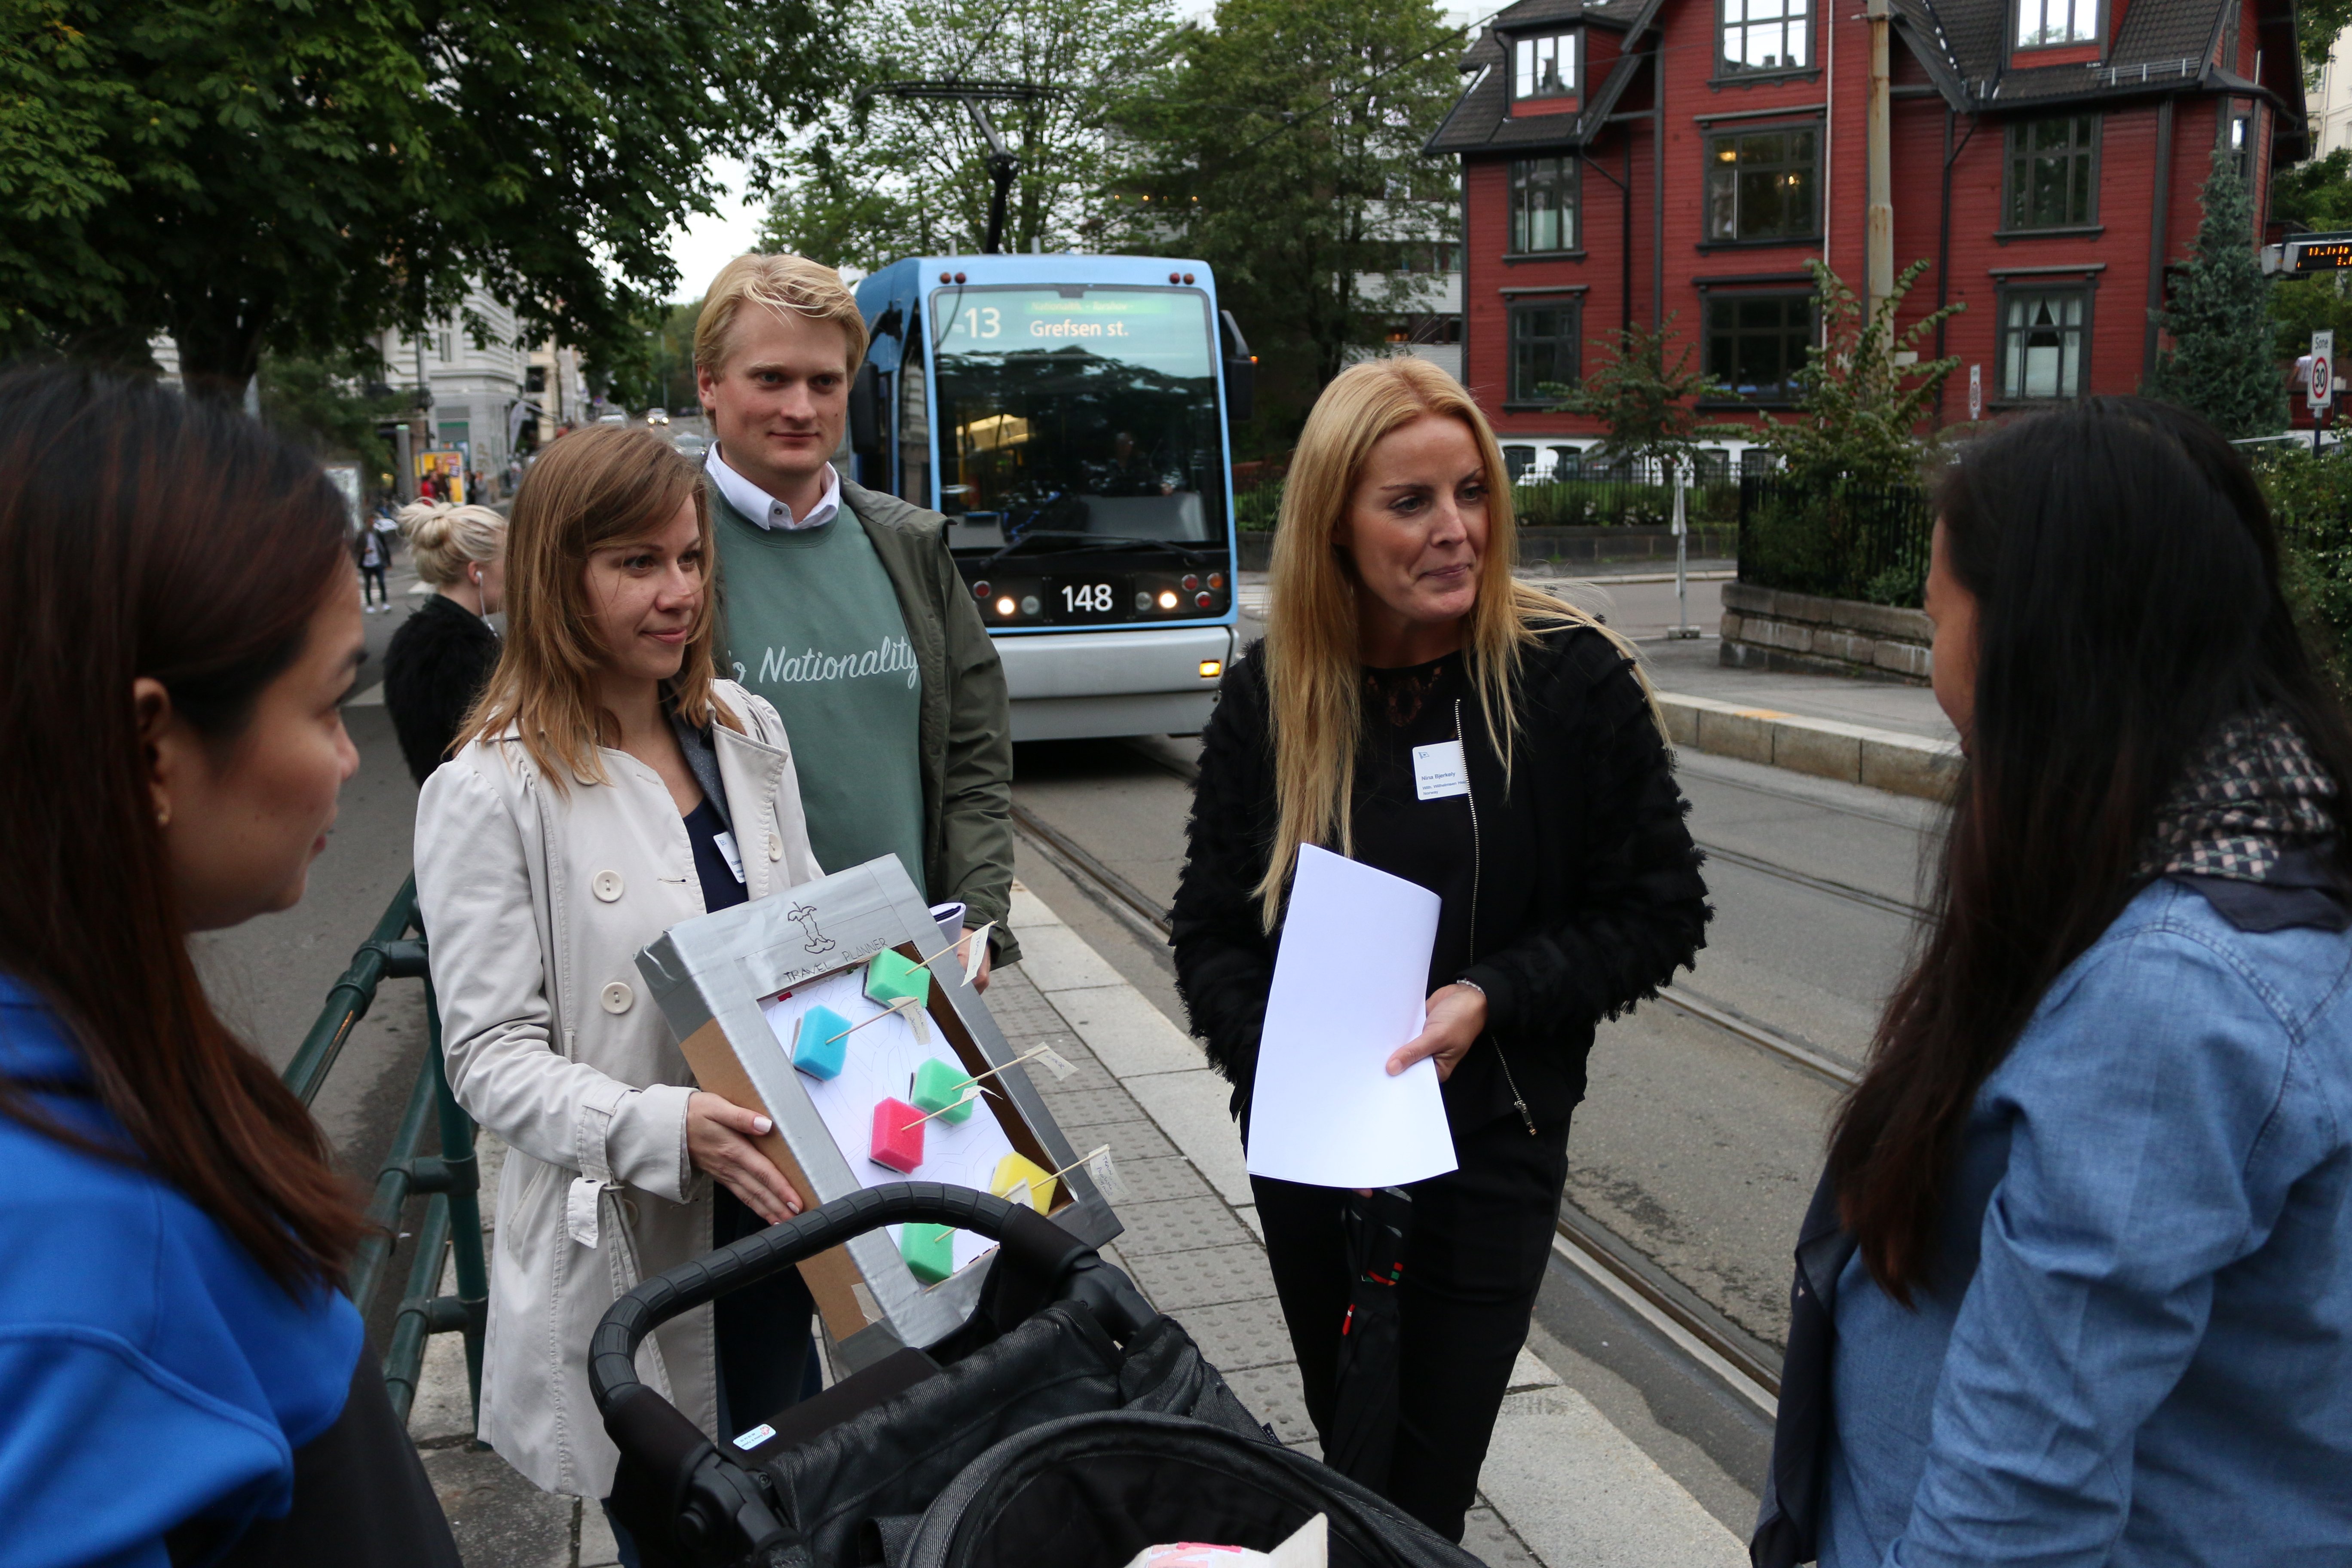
<point x="1569" y="883"/>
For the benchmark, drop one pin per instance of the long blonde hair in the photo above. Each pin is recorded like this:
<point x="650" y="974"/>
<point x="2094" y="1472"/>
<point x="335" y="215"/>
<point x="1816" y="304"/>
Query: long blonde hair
<point x="1313" y="670"/>
<point x="593" y="488"/>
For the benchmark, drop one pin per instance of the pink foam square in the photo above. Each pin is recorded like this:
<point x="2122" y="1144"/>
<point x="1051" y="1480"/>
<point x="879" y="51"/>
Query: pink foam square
<point x="897" y="1136"/>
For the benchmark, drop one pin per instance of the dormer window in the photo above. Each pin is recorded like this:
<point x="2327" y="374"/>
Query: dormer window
<point x="1544" y="67"/>
<point x="2046" y="24"/>
<point x="1764" y="36"/>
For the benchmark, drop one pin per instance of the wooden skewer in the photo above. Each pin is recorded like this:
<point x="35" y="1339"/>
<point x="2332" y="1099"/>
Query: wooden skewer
<point x="971" y="1085"/>
<point x="979" y="935"/>
<point x="891" y="1011"/>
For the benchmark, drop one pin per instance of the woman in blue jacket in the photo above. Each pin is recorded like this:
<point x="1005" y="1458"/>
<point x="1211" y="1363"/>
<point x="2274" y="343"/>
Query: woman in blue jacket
<point x="181" y="1379"/>
<point x="2079" y="1281"/>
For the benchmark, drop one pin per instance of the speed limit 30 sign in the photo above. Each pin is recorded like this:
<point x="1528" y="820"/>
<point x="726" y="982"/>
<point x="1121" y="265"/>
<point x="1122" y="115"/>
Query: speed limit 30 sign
<point x="2323" y="368"/>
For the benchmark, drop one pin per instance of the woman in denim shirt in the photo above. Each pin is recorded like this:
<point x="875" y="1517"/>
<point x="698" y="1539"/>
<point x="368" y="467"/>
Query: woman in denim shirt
<point x="2078" y="1284"/>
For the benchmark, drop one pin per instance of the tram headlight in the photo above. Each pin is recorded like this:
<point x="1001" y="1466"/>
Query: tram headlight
<point x="1029" y="605"/>
<point x="1167" y="600"/>
<point x="1006" y="606"/>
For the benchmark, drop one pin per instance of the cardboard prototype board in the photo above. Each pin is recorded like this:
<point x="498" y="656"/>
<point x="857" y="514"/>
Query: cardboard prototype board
<point x="713" y="977"/>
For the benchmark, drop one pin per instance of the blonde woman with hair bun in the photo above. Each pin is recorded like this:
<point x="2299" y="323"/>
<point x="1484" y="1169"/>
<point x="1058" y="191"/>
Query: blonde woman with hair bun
<point x="441" y="656"/>
<point x="1414" y="708"/>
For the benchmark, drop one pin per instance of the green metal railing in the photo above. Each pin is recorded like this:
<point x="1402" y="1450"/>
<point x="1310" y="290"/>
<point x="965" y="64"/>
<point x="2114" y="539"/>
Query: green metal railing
<point x="452" y="1216"/>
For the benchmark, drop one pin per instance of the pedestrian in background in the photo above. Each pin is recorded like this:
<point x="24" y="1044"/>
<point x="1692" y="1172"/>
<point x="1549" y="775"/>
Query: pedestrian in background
<point x="369" y="548"/>
<point x="608" y="787"/>
<point x="1570" y="885"/>
<point x="2077" y="1284"/>
<point x="844" y="608"/>
<point x="441" y="656"/>
<point x="181" y="1377"/>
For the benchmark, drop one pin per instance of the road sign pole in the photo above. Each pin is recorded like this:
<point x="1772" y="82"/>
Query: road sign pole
<point x="2320" y="386"/>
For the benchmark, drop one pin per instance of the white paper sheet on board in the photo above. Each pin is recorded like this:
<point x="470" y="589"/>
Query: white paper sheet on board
<point x="1347" y="991"/>
<point x="881" y="1061"/>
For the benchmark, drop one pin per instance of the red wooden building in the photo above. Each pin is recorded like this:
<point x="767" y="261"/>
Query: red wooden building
<point x="1637" y="160"/>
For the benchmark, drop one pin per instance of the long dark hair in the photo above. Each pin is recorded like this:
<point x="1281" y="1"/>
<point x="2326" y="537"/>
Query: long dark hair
<point x="2127" y="581"/>
<point x="143" y="534"/>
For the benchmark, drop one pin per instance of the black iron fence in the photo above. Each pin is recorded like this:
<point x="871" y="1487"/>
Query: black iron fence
<point x="453" y="1219"/>
<point x="1841" y="541"/>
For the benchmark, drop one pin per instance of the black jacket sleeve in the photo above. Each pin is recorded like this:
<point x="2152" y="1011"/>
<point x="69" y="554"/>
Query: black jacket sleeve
<point x="1642" y="911"/>
<point x="1224" y="960"/>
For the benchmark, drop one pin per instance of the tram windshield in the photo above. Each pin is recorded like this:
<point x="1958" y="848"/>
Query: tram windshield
<point x="1079" y="415"/>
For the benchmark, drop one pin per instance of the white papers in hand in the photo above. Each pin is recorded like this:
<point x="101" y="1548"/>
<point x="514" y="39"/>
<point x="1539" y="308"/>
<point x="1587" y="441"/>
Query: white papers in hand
<point x="1347" y="991"/>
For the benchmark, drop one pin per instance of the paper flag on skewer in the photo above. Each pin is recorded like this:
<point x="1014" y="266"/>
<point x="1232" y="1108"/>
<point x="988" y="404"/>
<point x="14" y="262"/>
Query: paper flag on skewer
<point x="977" y="953"/>
<point x="1052" y="1060"/>
<point x="974" y="956"/>
<point x="1103" y="1169"/>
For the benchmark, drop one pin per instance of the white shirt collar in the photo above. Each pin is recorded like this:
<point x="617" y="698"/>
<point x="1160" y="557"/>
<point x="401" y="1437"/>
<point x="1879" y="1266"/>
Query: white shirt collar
<point x="763" y="509"/>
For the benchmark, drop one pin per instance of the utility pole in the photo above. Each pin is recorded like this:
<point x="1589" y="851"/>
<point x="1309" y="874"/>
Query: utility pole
<point x="1878" y="248"/>
<point x="422" y="439"/>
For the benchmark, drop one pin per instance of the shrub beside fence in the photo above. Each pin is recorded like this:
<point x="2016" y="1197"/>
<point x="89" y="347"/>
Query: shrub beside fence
<point x="1569" y="494"/>
<point x="1839" y="541"/>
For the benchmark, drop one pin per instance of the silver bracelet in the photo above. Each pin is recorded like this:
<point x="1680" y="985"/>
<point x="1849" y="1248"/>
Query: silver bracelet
<point x="1471" y="985"/>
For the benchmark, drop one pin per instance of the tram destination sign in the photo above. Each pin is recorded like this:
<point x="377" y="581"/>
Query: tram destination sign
<point x="2308" y="253"/>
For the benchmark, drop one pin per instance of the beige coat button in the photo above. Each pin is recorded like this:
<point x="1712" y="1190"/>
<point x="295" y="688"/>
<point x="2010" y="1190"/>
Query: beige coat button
<point x="606" y="885"/>
<point x="617" y="996"/>
<point x="775" y="847"/>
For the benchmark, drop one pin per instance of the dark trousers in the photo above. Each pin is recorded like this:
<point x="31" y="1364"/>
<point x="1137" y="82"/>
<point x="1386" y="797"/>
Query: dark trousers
<point x="372" y="577"/>
<point x="1481" y="1239"/>
<point x="765" y="1356"/>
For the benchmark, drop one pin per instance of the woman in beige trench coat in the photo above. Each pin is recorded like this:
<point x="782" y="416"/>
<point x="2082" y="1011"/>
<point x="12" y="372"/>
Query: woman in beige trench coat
<point x="551" y="846"/>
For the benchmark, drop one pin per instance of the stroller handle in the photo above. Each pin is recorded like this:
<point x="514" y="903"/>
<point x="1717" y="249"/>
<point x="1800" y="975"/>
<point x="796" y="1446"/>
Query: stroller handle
<point x="1038" y="1243"/>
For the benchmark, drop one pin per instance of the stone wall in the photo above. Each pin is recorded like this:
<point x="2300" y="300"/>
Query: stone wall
<point x="1772" y="628"/>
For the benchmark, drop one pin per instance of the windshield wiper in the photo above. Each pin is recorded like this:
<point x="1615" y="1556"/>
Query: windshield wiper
<point x="1097" y="541"/>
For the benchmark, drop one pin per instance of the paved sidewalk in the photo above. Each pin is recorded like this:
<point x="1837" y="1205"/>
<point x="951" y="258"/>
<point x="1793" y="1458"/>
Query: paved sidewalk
<point x="1562" y="1485"/>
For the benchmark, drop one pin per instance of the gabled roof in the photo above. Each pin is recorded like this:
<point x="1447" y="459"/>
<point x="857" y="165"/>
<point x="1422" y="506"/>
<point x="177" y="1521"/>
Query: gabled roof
<point x="2163" y="47"/>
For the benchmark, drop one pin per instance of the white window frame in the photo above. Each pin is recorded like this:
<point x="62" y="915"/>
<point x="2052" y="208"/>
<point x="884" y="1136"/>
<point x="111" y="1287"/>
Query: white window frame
<point x="1530" y="55"/>
<point x="1781" y="29"/>
<point x="2052" y="24"/>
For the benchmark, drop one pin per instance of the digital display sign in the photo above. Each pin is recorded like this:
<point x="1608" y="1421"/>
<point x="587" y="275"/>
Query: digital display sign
<point x="2319" y="252"/>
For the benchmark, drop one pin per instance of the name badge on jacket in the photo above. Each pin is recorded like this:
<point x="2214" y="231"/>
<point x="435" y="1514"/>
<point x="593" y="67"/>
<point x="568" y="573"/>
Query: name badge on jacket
<point x="1439" y="772"/>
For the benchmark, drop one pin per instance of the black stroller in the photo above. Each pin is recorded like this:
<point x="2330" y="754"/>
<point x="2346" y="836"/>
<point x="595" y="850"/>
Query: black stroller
<point x="1066" y="1425"/>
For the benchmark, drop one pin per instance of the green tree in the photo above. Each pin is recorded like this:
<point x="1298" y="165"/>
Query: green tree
<point x="297" y="176"/>
<point x="2222" y="362"/>
<point x="1649" y="406"/>
<point x="325" y="403"/>
<point x="885" y="177"/>
<point x="1863" y="395"/>
<point x="1282" y="145"/>
<point x="2317" y="25"/>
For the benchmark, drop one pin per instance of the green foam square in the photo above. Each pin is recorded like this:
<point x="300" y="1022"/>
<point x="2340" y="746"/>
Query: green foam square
<point x="892" y="975"/>
<point x="929" y="1249"/>
<point x="940" y="1088"/>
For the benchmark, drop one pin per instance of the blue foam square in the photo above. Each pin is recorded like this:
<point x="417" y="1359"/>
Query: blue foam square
<point x="819" y="1047"/>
